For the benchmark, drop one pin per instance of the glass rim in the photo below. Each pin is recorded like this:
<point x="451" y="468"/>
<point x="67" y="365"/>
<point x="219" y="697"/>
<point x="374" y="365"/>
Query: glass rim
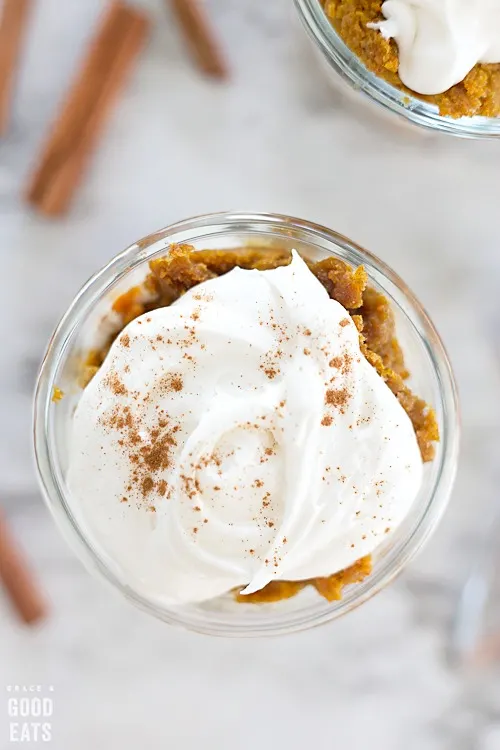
<point x="194" y="229"/>
<point x="352" y="70"/>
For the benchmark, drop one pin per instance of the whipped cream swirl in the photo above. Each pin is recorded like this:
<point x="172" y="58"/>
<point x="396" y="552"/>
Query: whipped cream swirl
<point x="239" y="437"/>
<point x="440" y="41"/>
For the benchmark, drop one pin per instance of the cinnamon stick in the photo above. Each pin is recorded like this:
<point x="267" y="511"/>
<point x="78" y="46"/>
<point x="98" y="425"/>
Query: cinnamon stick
<point x="13" y="22"/>
<point x="200" y="37"/>
<point x="120" y="37"/>
<point x="18" y="579"/>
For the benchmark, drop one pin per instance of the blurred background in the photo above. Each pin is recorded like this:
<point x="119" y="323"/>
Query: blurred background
<point x="272" y="137"/>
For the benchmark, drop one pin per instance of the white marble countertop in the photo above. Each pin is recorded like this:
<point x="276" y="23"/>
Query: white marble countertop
<point x="274" y="138"/>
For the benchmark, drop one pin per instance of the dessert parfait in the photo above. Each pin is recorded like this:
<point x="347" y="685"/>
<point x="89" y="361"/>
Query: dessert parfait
<point x="236" y="429"/>
<point x="436" y="62"/>
<point x="447" y="53"/>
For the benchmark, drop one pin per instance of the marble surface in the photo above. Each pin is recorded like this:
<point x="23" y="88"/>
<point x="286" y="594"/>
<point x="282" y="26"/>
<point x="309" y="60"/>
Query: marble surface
<point x="275" y="138"/>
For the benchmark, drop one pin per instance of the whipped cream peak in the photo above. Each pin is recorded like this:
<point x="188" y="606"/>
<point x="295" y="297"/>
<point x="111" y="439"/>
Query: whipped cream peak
<point x="238" y="437"/>
<point x="440" y="41"/>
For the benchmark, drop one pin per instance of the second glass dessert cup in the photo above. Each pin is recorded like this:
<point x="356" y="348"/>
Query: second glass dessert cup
<point x="344" y="67"/>
<point x="88" y="318"/>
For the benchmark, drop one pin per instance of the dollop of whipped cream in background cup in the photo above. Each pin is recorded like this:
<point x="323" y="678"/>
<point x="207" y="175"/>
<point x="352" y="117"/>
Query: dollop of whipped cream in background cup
<point x="238" y="437"/>
<point x="440" y="41"/>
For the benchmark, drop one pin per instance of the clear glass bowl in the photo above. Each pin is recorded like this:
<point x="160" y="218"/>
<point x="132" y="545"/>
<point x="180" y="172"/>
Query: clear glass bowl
<point x="431" y="377"/>
<point x="343" y="65"/>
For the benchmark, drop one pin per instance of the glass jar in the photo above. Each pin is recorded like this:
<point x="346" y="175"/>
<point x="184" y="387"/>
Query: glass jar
<point x="346" y="69"/>
<point x="431" y="378"/>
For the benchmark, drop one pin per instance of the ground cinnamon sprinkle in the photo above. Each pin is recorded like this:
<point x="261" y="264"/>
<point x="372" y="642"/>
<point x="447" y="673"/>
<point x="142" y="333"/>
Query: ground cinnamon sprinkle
<point x="148" y="454"/>
<point x="147" y="485"/>
<point x="337" y="397"/>
<point x="114" y="382"/>
<point x="346" y="363"/>
<point x="172" y="382"/>
<point x="270" y="372"/>
<point x="156" y="456"/>
<point x="370" y="311"/>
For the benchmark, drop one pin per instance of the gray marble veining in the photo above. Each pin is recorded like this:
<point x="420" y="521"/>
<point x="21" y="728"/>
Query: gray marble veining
<point x="273" y="138"/>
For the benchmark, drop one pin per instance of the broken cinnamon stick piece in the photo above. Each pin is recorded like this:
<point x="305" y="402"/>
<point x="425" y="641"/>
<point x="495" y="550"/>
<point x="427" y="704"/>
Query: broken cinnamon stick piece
<point x="200" y="37"/>
<point x="13" y="22"/>
<point x="119" y="39"/>
<point x="18" y="579"/>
